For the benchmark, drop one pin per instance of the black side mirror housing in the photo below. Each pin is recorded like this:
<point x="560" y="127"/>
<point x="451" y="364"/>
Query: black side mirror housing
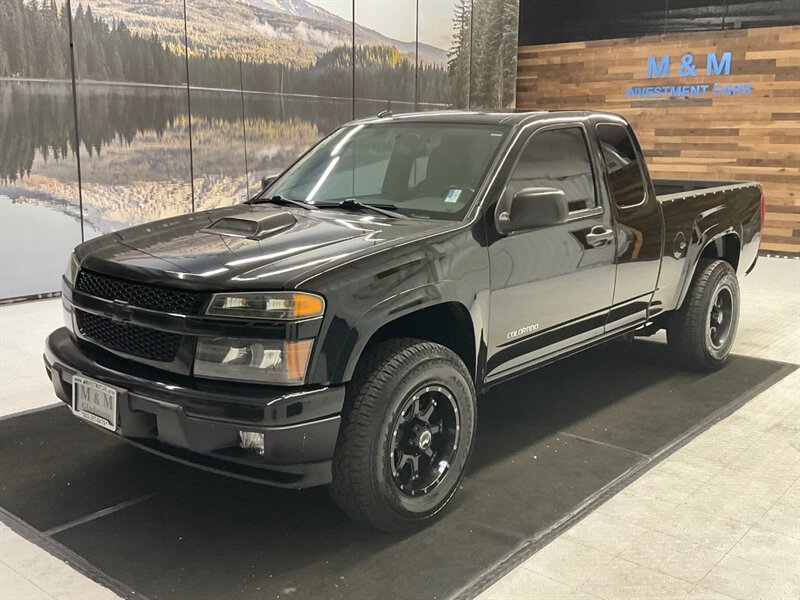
<point x="534" y="207"/>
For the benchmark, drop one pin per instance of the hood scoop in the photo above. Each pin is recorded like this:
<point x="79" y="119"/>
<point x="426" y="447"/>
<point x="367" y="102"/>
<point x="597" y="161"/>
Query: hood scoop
<point x="252" y="229"/>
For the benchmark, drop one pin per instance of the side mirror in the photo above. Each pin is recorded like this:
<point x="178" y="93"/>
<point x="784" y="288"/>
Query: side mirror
<point x="531" y="208"/>
<point x="267" y="181"/>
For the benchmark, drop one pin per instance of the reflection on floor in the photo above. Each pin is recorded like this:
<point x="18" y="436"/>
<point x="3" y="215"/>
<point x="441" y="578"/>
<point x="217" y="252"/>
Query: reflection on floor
<point x="702" y="523"/>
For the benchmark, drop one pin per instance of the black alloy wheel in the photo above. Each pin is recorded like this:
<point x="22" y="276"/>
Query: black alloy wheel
<point x="407" y="429"/>
<point x="701" y="332"/>
<point x="720" y="317"/>
<point x="424" y="440"/>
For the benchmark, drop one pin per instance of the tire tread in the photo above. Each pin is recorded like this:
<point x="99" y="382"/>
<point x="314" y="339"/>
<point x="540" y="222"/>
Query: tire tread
<point x="352" y="487"/>
<point x="686" y="327"/>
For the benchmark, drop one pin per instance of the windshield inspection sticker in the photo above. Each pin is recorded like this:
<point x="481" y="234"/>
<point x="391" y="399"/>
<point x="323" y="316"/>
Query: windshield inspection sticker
<point x="452" y="195"/>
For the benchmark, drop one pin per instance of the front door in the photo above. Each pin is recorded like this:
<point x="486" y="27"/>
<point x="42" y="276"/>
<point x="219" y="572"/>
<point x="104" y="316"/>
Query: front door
<point x="551" y="288"/>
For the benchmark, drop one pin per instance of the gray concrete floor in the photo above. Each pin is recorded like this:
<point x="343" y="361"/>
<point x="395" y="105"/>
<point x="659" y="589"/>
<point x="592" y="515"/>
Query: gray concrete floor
<point x="720" y="518"/>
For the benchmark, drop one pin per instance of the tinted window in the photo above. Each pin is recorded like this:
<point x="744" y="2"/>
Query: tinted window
<point x="557" y="158"/>
<point x="425" y="169"/>
<point x="624" y="171"/>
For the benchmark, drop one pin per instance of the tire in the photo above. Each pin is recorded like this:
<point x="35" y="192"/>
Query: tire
<point x="701" y="333"/>
<point x="398" y="383"/>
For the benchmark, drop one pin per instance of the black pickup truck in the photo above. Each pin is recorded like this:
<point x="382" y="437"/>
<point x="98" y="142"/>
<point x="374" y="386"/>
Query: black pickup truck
<point x="338" y="327"/>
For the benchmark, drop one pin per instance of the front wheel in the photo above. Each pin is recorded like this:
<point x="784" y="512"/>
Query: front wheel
<point x="701" y="333"/>
<point x="407" y="431"/>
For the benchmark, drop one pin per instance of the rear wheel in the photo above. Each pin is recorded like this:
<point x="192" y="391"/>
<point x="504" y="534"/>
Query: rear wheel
<point x="407" y="431"/>
<point x="702" y="331"/>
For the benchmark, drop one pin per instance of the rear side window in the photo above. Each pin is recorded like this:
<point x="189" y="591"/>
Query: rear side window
<point x="625" y="178"/>
<point x="557" y="158"/>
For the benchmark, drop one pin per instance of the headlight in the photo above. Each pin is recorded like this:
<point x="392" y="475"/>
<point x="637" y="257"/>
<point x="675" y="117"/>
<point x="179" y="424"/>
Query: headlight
<point x="270" y="361"/>
<point x="71" y="272"/>
<point x="284" y="306"/>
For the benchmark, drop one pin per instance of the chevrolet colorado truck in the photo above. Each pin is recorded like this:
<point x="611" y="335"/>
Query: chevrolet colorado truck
<point x="338" y="327"/>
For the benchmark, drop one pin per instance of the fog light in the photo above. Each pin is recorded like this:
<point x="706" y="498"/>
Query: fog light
<point x="250" y="440"/>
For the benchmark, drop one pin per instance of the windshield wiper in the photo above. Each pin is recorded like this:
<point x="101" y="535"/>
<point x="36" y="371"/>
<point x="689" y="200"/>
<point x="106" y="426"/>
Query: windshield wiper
<point x="387" y="210"/>
<point x="281" y="200"/>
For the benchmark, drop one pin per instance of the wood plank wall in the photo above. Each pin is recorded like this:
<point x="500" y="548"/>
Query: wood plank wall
<point x="755" y="137"/>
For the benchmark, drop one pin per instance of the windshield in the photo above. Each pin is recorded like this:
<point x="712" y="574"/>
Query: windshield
<point x="426" y="170"/>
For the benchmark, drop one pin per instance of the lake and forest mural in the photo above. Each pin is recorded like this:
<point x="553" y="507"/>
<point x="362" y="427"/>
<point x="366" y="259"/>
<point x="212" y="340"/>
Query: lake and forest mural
<point x="162" y="108"/>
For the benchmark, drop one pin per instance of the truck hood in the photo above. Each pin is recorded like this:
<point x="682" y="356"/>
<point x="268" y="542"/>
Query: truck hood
<point x="248" y="246"/>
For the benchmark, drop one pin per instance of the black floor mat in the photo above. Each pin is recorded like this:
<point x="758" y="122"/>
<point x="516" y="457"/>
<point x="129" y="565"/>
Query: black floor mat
<point x="546" y="443"/>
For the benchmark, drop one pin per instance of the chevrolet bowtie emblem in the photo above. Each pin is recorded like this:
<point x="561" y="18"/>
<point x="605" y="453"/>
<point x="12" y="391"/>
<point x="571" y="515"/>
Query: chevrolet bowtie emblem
<point x="120" y="311"/>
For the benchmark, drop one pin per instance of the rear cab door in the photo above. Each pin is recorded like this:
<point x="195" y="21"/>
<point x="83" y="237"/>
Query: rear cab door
<point x="551" y="287"/>
<point x="637" y="221"/>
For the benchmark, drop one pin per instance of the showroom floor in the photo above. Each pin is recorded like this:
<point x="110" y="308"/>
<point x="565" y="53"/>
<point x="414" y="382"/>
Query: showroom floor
<point x="719" y="518"/>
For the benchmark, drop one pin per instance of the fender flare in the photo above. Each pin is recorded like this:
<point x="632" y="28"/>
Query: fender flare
<point x="705" y="238"/>
<point x="409" y="302"/>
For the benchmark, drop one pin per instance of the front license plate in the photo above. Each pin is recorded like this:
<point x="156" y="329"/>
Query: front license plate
<point x="95" y="402"/>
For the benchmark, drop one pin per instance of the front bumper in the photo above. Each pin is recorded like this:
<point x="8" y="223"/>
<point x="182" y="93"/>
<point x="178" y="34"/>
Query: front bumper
<point x="197" y="423"/>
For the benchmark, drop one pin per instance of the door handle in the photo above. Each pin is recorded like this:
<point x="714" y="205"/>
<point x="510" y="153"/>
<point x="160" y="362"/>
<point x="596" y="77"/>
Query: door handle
<point x="599" y="236"/>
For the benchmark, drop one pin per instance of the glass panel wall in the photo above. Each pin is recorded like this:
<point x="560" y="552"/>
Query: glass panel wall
<point x="292" y="99"/>
<point x="39" y="196"/>
<point x="443" y="57"/>
<point x="133" y="114"/>
<point x="493" y="53"/>
<point x="386" y="56"/>
<point x="216" y="53"/>
<point x="255" y="86"/>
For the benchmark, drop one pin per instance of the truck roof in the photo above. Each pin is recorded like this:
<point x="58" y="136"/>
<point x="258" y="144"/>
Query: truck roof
<point x="488" y="117"/>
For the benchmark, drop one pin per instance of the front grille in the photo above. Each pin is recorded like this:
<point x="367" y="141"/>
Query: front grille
<point x="130" y="339"/>
<point x="139" y="294"/>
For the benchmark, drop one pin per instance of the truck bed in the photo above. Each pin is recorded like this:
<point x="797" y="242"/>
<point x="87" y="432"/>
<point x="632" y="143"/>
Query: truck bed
<point x="671" y="189"/>
<point x="696" y="212"/>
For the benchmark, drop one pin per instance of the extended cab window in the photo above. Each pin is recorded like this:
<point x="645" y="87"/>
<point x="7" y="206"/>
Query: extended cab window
<point x="557" y="158"/>
<point x="625" y="178"/>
